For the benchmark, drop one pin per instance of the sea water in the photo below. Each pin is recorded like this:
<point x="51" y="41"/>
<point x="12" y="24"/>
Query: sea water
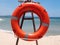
<point x="54" y="27"/>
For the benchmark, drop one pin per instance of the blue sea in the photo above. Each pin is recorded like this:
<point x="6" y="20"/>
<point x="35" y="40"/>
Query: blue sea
<point x="54" y="27"/>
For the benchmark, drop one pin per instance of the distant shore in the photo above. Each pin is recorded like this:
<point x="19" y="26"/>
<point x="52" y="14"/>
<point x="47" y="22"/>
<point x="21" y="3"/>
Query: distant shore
<point x="29" y="16"/>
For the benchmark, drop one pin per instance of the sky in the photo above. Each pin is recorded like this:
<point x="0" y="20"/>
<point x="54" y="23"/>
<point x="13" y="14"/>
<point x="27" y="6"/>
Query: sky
<point x="52" y="7"/>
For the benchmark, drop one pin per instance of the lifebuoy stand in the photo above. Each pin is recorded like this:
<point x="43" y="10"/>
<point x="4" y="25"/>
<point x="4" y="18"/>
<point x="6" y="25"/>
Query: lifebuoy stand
<point x="32" y="18"/>
<point x="27" y="19"/>
<point x="32" y="7"/>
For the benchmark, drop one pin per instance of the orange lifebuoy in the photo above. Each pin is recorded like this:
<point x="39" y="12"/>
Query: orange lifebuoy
<point x="33" y="7"/>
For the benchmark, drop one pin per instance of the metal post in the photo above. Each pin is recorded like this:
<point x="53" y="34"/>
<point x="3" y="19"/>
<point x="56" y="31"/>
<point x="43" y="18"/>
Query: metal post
<point x="20" y="27"/>
<point x="34" y="27"/>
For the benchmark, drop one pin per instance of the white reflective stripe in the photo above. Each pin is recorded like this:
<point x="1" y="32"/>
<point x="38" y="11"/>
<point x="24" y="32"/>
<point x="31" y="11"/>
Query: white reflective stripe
<point x="15" y="18"/>
<point x="26" y="37"/>
<point x="45" y="24"/>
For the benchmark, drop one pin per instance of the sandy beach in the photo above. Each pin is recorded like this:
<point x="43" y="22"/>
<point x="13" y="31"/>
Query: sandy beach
<point x="7" y="38"/>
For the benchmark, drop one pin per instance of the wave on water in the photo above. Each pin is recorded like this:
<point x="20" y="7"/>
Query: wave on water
<point x="1" y="19"/>
<point x="6" y="31"/>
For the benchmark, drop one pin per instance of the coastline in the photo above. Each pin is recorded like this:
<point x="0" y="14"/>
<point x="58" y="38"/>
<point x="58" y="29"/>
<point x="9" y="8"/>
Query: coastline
<point x="7" y="38"/>
<point x="29" y="16"/>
